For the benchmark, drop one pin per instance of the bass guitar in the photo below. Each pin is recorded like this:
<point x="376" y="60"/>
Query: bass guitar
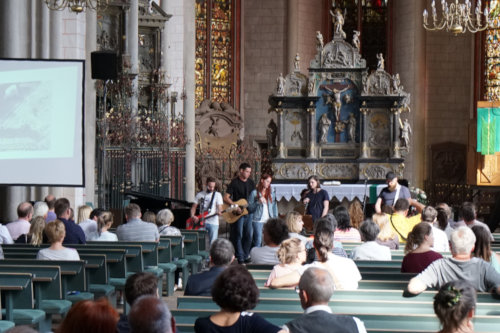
<point x="230" y="213"/>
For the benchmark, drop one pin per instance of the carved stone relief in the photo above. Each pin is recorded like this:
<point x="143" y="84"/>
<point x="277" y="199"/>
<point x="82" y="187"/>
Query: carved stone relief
<point x="294" y="171"/>
<point x="337" y="171"/>
<point x="378" y="129"/>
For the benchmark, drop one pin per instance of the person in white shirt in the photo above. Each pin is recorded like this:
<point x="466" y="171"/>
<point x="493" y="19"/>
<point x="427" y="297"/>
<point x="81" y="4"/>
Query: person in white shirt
<point x="22" y="225"/>
<point x="274" y="232"/>
<point x="55" y="232"/>
<point x="441" y="242"/>
<point x="370" y="249"/>
<point x="87" y="220"/>
<point x="5" y="237"/>
<point x="104" y="222"/>
<point x="210" y="203"/>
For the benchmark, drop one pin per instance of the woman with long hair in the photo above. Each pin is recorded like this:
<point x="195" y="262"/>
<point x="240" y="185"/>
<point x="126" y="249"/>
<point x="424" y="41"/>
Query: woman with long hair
<point x="316" y="199"/>
<point x="418" y="249"/>
<point x="345" y="232"/>
<point x="386" y="236"/>
<point x="291" y="254"/>
<point x="104" y="222"/>
<point x="454" y="305"/>
<point x="356" y="213"/>
<point x="482" y="248"/>
<point x="262" y="204"/>
<point x="295" y="225"/>
<point x="235" y="292"/>
<point x="35" y="235"/>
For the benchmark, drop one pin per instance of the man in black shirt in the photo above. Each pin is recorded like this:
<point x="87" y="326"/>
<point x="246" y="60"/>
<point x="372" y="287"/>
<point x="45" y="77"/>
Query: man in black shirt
<point x="241" y="230"/>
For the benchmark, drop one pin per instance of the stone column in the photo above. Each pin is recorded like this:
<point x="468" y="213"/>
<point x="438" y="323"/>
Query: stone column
<point x="189" y="98"/>
<point x="281" y="133"/>
<point x="363" y="137"/>
<point x="395" y="132"/>
<point x="311" y="129"/>
<point x="293" y="33"/>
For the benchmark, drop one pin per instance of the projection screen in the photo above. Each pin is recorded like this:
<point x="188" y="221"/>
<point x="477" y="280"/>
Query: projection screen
<point x="41" y="122"/>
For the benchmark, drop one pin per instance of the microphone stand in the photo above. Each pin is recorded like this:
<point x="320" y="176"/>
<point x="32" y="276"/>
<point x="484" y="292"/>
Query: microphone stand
<point x="364" y="196"/>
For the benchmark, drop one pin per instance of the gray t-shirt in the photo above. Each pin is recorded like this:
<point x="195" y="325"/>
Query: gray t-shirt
<point x="476" y="271"/>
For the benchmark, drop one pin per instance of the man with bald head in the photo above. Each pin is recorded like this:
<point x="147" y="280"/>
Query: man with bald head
<point x="22" y="225"/>
<point x="315" y="290"/>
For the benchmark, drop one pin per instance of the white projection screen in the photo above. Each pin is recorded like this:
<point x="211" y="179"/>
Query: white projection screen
<point x="41" y="122"/>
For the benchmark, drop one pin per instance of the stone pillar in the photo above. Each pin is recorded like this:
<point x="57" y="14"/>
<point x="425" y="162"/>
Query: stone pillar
<point x="311" y="135"/>
<point x="293" y="33"/>
<point x="189" y="98"/>
<point x="281" y="133"/>
<point x="395" y="132"/>
<point x="363" y="128"/>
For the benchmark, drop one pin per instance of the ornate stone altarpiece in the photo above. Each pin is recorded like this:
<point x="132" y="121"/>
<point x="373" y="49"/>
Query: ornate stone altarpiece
<point x="339" y="122"/>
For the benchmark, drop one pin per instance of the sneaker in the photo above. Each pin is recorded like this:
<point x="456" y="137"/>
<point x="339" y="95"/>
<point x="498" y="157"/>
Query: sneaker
<point x="248" y="260"/>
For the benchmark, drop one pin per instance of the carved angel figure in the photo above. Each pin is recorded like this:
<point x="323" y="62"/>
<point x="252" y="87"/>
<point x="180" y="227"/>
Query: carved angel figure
<point x="351" y="128"/>
<point x="296" y="63"/>
<point x="355" y="39"/>
<point x="280" y="81"/>
<point x="324" y="126"/>
<point x="380" y="63"/>
<point x="319" y="40"/>
<point x="405" y="133"/>
<point x="396" y="84"/>
<point x="338" y="22"/>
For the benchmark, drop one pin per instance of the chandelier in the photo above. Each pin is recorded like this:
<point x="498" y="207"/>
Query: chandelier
<point x="76" y="6"/>
<point x="458" y="18"/>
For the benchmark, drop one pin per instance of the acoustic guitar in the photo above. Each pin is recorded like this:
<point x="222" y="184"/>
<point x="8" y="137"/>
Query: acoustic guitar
<point x="229" y="213"/>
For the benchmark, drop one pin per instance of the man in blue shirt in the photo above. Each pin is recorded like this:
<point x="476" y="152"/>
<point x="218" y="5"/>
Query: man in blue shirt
<point x="74" y="234"/>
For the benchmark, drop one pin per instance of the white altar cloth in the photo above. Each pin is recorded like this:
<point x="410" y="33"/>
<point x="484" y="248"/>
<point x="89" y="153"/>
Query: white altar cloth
<point x="347" y="191"/>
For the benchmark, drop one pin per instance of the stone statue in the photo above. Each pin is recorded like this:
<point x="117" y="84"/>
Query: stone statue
<point x="324" y="126"/>
<point x="296" y="63"/>
<point x="271" y="134"/>
<point x="280" y="81"/>
<point x="396" y="84"/>
<point x="310" y="87"/>
<point x="405" y="133"/>
<point x="380" y="63"/>
<point x="338" y="22"/>
<point x="319" y="40"/>
<point x="336" y="101"/>
<point x="351" y="128"/>
<point x="355" y="39"/>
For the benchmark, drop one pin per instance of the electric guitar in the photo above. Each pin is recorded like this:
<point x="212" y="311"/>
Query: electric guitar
<point x="229" y="213"/>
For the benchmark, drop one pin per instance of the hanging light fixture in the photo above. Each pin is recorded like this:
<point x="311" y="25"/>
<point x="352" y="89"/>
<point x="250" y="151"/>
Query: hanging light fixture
<point x="77" y="6"/>
<point x="458" y="18"/>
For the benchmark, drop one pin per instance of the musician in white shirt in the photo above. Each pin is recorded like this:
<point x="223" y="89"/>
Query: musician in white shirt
<point x="210" y="203"/>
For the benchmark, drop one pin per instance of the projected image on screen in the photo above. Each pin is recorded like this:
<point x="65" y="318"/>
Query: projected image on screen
<point x="41" y="122"/>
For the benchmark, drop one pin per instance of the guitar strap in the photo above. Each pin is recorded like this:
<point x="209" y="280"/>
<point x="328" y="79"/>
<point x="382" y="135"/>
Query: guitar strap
<point x="211" y="201"/>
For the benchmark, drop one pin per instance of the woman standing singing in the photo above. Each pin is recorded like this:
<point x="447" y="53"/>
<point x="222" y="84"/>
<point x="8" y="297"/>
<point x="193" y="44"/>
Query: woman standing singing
<point x="316" y="199"/>
<point x="262" y="204"/>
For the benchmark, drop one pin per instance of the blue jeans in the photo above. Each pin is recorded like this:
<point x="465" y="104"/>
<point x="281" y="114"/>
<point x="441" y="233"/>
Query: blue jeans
<point x="241" y="237"/>
<point x="213" y="231"/>
<point x="257" y="234"/>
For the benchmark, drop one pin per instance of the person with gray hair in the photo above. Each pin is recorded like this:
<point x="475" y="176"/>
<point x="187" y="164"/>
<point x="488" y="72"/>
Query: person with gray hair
<point x="370" y="249"/>
<point x="40" y="208"/>
<point x="164" y="219"/>
<point x="461" y="266"/>
<point x="315" y="290"/>
<point x="221" y="256"/>
<point x="150" y="315"/>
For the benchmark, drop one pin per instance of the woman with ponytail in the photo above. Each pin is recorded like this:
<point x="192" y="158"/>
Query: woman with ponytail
<point x="418" y="249"/>
<point x="454" y="306"/>
<point x="104" y="222"/>
<point x="344" y="271"/>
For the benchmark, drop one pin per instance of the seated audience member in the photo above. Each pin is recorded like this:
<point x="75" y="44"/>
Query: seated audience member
<point x="291" y="254"/>
<point x="40" y="208"/>
<point x="149" y="216"/>
<point x="163" y="220"/>
<point x="329" y="222"/>
<point x="400" y="223"/>
<point x="275" y="231"/>
<point x="442" y="220"/>
<point x="71" y="214"/>
<point x="418" y="249"/>
<point x="370" y="249"/>
<point x="90" y="316"/>
<point x="386" y="236"/>
<point x="55" y="232"/>
<point x="441" y="243"/>
<point x="355" y="211"/>
<point x="50" y="200"/>
<point x="104" y="222"/>
<point x="345" y="231"/>
<point x="150" y="314"/>
<point x="5" y="237"/>
<point x="22" y="225"/>
<point x="136" y="230"/>
<point x="460" y="267"/>
<point x="315" y="290"/>
<point x="35" y="236"/>
<point x="221" y="256"/>
<point x="74" y="234"/>
<point x="137" y="285"/>
<point x="235" y="292"/>
<point x="87" y="220"/>
<point x="482" y="247"/>
<point x="454" y="305"/>
<point x="468" y="213"/>
<point x="344" y="272"/>
<point x="295" y="225"/>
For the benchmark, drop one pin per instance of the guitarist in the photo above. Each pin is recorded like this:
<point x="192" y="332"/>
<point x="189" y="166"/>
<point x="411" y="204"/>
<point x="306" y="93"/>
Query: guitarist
<point x="210" y="202"/>
<point x="241" y="230"/>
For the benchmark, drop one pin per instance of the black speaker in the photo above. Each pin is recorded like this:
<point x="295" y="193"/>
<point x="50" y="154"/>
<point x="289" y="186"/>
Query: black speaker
<point x="104" y="65"/>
